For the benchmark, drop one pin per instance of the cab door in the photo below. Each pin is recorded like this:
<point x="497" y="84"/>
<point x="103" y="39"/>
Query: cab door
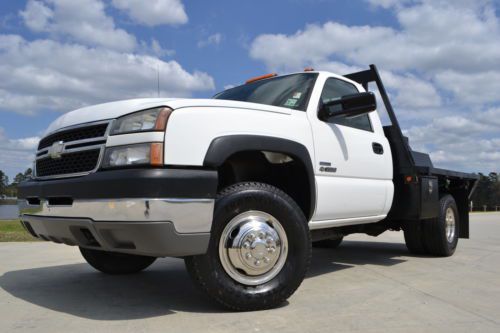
<point x="353" y="165"/>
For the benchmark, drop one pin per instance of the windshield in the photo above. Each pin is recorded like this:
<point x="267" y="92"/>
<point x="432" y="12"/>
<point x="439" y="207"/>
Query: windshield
<point x="290" y="91"/>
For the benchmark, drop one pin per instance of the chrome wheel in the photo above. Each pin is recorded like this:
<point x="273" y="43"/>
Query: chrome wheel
<point x="253" y="248"/>
<point x="450" y="224"/>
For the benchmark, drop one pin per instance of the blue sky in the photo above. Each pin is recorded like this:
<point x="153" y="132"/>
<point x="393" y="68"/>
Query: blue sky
<point x="440" y="60"/>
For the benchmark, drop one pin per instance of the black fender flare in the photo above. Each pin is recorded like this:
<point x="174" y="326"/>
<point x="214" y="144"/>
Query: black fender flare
<point x="222" y="147"/>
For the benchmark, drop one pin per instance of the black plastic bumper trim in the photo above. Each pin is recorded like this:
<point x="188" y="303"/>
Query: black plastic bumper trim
<point x="128" y="183"/>
<point x="156" y="239"/>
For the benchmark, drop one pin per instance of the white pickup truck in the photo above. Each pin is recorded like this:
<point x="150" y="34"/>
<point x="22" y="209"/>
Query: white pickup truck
<point x="240" y="185"/>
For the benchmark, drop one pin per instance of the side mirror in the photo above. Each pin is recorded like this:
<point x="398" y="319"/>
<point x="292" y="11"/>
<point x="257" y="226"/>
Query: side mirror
<point x="349" y="105"/>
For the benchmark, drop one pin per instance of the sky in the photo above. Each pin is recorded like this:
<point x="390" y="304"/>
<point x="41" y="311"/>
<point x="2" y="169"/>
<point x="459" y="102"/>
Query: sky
<point x="440" y="61"/>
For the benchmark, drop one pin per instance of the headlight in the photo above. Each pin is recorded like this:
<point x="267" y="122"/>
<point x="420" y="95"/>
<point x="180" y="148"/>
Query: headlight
<point x="137" y="154"/>
<point x="142" y="121"/>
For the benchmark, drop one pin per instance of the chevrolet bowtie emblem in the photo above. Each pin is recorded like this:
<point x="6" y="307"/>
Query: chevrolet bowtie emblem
<point x="55" y="151"/>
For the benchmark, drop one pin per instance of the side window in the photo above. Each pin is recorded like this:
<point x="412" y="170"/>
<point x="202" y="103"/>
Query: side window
<point x="334" y="89"/>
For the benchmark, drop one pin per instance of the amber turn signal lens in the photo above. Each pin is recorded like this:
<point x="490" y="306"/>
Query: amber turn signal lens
<point x="162" y="119"/>
<point x="156" y="154"/>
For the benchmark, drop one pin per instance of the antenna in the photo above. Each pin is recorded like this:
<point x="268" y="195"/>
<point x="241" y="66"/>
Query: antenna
<point x="158" y="78"/>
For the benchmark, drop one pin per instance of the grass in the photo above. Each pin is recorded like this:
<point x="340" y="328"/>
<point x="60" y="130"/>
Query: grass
<point x="8" y="202"/>
<point x="484" y="212"/>
<point x="13" y="231"/>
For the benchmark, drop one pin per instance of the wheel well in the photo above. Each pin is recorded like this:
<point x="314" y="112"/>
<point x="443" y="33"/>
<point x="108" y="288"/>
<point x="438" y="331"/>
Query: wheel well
<point x="283" y="171"/>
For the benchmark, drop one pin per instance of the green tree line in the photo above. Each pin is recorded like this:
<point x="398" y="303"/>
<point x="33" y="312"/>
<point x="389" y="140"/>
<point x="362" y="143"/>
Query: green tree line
<point x="487" y="193"/>
<point x="10" y="189"/>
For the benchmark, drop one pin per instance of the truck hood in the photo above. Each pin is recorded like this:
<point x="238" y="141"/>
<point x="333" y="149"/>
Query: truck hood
<point x="116" y="109"/>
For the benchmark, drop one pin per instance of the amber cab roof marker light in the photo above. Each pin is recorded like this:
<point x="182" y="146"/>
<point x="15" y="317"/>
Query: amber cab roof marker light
<point x="308" y="69"/>
<point x="262" y="77"/>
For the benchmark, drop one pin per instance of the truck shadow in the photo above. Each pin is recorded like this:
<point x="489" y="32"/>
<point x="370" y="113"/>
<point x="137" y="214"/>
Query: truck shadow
<point x="165" y="288"/>
<point x="355" y="253"/>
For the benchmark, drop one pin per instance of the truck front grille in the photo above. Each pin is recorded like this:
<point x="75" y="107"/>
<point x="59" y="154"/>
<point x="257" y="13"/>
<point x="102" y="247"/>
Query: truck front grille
<point x="71" y="151"/>
<point x="81" y="133"/>
<point x="83" y="161"/>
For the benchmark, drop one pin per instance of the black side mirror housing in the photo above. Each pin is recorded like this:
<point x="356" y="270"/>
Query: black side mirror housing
<point x="349" y="105"/>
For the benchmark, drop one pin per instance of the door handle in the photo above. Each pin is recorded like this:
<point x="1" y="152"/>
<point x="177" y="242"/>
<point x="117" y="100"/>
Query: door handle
<point x="377" y="148"/>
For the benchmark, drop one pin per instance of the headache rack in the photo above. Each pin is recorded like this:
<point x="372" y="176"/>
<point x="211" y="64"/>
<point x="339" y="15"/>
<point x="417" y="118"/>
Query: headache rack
<point x="404" y="157"/>
<point x="416" y="180"/>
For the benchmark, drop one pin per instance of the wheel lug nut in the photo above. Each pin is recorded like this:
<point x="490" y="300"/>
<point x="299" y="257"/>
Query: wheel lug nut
<point x="257" y="262"/>
<point x="262" y="235"/>
<point x="269" y="240"/>
<point x="248" y="256"/>
<point x="266" y="260"/>
<point x="246" y="245"/>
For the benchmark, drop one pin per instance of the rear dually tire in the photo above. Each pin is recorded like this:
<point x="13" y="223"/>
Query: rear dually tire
<point x="441" y="233"/>
<point x="437" y="236"/>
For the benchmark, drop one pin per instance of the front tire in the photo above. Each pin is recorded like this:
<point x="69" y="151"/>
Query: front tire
<point x="259" y="251"/>
<point x="116" y="263"/>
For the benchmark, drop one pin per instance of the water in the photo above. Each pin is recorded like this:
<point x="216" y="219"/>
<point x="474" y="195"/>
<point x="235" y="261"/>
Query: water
<point x="9" y="212"/>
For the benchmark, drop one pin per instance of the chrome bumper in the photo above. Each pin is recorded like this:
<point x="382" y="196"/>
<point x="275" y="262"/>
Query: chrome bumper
<point x="153" y="227"/>
<point x="187" y="215"/>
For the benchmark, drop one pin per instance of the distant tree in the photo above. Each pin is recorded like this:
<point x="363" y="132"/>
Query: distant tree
<point x="18" y="178"/>
<point x="487" y="192"/>
<point x="495" y="191"/>
<point x="492" y="200"/>
<point x="11" y="190"/>
<point x="493" y="176"/>
<point x="28" y="173"/>
<point x="4" y="182"/>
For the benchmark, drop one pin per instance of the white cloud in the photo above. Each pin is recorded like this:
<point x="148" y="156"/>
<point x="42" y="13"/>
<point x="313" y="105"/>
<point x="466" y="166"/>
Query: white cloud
<point x="153" y="12"/>
<point x="388" y="3"/>
<point x="214" y="39"/>
<point x="472" y="88"/>
<point x="411" y="91"/>
<point x="425" y="42"/>
<point x="458" y="142"/>
<point x="37" y="15"/>
<point x="29" y="143"/>
<point x="155" y="48"/>
<point x="83" y="21"/>
<point x="491" y="117"/>
<point x="16" y="155"/>
<point x="42" y="75"/>
<point x="314" y="44"/>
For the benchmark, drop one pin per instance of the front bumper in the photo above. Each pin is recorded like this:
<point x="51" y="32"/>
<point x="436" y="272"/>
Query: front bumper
<point x="155" y="212"/>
